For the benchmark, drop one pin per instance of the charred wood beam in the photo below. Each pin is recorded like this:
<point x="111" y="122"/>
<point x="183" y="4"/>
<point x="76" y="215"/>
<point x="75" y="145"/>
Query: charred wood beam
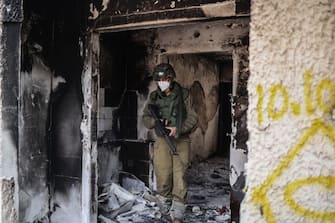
<point x="155" y="17"/>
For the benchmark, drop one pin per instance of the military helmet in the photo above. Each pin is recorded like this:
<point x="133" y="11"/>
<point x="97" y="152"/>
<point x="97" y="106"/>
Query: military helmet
<point x="163" y="70"/>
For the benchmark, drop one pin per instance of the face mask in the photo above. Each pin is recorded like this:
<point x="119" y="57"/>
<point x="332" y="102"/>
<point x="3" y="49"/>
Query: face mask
<point x="163" y="85"/>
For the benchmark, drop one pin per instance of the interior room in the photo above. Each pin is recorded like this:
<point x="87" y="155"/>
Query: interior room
<point x="125" y="145"/>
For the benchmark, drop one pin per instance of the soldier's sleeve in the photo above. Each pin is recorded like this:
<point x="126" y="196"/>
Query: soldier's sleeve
<point x="148" y="120"/>
<point x="191" y="120"/>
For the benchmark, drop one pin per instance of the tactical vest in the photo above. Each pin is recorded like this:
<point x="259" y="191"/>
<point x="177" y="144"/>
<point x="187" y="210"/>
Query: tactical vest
<point x="168" y="105"/>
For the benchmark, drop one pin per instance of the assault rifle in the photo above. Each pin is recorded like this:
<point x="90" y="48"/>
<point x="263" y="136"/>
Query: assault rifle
<point x="160" y="128"/>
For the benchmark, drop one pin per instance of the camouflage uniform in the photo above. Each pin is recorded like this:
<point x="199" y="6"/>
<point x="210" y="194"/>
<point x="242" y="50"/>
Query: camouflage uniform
<point x="170" y="169"/>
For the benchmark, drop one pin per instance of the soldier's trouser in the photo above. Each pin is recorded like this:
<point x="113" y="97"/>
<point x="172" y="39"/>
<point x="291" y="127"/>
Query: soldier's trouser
<point x="170" y="170"/>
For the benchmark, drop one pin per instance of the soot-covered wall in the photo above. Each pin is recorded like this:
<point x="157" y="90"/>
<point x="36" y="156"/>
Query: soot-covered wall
<point x="50" y="110"/>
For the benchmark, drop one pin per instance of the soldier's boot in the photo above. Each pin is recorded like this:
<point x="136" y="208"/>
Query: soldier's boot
<point x="164" y="204"/>
<point x="177" y="211"/>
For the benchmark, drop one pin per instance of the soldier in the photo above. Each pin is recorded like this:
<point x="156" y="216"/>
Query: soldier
<point x="180" y="119"/>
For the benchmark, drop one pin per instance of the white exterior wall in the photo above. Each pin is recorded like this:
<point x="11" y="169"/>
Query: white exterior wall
<point x="291" y="160"/>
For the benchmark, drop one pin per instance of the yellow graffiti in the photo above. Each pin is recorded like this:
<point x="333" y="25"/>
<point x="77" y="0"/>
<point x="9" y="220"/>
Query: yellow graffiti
<point x="312" y="101"/>
<point x="260" y="92"/>
<point x="327" y="182"/>
<point x="296" y="109"/>
<point x="322" y="86"/>
<point x="274" y="90"/>
<point x="259" y="195"/>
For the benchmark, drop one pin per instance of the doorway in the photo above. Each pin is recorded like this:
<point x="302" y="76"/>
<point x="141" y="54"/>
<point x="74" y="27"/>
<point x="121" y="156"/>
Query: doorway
<point x="124" y="143"/>
<point x="126" y="62"/>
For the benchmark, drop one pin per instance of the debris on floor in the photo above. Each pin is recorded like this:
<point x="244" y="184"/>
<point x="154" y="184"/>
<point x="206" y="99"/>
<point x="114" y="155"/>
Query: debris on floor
<point x="210" y="187"/>
<point x="208" y="193"/>
<point x="132" y="201"/>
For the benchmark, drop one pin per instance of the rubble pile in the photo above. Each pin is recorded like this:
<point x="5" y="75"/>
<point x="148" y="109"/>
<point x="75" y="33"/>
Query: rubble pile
<point x="132" y="201"/>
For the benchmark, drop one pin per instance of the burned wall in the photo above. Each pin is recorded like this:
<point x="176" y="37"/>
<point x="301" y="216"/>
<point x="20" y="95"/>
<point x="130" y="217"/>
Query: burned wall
<point x="201" y="76"/>
<point x="50" y="112"/>
<point x="290" y="169"/>
<point x="36" y="87"/>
